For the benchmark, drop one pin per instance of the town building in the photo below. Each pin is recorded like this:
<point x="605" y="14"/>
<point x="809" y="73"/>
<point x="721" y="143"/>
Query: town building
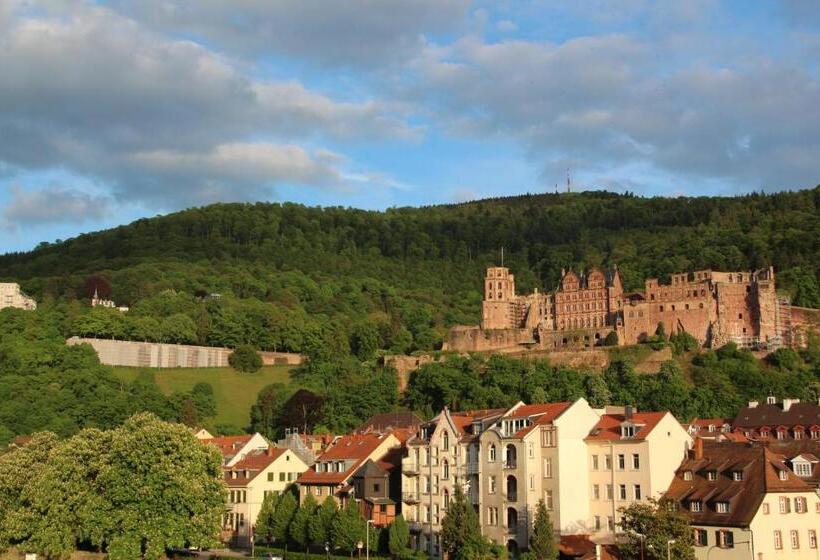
<point x="332" y="474"/>
<point x="377" y="487"/>
<point x="632" y="456"/>
<point x="714" y="307"/>
<point x="784" y="420"/>
<point x="97" y="301"/>
<point x="234" y="448"/>
<point x="12" y="296"/>
<point x="257" y="474"/>
<point x="710" y="428"/>
<point x="746" y="502"/>
<point x="441" y="455"/>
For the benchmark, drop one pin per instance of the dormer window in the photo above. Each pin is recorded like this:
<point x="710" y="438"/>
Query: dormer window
<point x="695" y="506"/>
<point x="711" y="475"/>
<point x="782" y="475"/>
<point x="687" y="475"/>
<point x="722" y="507"/>
<point x="234" y="474"/>
<point x="737" y="475"/>
<point x="801" y="467"/>
<point x="628" y="431"/>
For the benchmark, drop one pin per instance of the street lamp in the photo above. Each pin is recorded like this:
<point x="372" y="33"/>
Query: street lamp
<point x="669" y="544"/>
<point x="360" y="545"/>
<point x="641" y="537"/>
<point x="327" y="549"/>
<point x="367" y="537"/>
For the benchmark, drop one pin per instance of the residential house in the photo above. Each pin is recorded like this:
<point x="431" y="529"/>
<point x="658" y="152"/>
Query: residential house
<point x="746" y="503"/>
<point x="234" y="448"/>
<point x="788" y="419"/>
<point x="375" y="486"/>
<point x="632" y="456"/>
<point x="258" y="473"/>
<point x="331" y="475"/>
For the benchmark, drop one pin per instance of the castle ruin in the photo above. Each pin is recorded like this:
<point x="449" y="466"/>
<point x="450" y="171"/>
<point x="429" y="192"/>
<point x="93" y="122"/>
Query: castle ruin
<point x="714" y="307"/>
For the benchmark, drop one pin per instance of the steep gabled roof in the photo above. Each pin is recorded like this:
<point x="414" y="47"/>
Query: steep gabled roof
<point x="251" y="465"/>
<point x="389" y="420"/>
<point x="355" y="448"/>
<point x="773" y="415"/>
<point x="608" y="427"/>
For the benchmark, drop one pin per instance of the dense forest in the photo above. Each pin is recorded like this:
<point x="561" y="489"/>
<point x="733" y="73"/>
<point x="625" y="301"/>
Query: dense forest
<point x="289" y="277"/>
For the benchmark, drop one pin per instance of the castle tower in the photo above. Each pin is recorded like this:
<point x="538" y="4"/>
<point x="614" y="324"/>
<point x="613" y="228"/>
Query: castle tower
<point x="498" y="310"/>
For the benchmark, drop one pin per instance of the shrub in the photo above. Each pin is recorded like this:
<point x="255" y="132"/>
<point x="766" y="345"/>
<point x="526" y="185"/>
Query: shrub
<point x="245" y="358"/>
<point x="611" y="339"/>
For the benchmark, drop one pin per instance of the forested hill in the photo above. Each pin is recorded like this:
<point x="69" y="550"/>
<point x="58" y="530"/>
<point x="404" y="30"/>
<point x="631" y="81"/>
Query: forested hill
<point x="540" y="233"/>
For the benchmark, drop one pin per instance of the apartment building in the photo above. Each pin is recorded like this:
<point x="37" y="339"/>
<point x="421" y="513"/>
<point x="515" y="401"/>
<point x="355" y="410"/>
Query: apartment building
<point x="442" y="454"/>
<point x="788" y="419"/>
<point x="534" y="452"/>
<point x="632" y="456"/>
<point x="746" y="501"/>
<point x="258" y="473"/>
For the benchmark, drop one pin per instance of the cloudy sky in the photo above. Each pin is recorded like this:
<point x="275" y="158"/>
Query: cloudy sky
<point x="118" y="109"/>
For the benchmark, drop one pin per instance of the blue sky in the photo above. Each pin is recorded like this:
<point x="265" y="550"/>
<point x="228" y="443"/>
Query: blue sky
<point x="115" y="110"/>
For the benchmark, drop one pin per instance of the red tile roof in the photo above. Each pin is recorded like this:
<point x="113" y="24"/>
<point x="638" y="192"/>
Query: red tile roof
<point x="253" y="463"/>
<point x="228" y="444"/>
<point x="608" y="427"/>
<point x="353" y="447"/>
<point x="552" y="410"/>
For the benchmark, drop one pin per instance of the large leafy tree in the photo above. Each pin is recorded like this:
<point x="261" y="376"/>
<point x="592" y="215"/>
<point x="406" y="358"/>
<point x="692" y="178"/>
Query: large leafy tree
<point x="320" y="526"/>
<point x="300" y="525"/>
<point x="649" y="527"/>
<point x="283" y="515"/>
<point x="348" y="528"/>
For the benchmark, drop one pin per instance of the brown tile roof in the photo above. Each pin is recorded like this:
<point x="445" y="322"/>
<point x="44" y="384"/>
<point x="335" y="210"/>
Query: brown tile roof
<point x="773" y="415"/>
<point x="353" y="447"/>
<point x="759" y="466"/>
<point x="228" y="445"/>
<point x="542" y="413"/>
<point x="581" y="547"/>
<point x="389" y="420"/>
<point x="253" y="463"/>
<point x="608" y="427"/>
<point x="791" y="448"/>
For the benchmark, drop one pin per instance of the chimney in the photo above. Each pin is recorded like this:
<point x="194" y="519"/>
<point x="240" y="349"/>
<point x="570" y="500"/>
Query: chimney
<point x="597" y="552"/>
<point x="628" y="410"/>
<point x="698" y="448"/>
<point x="752" y="404"/>
<point x="787" y="404"/>
<point x="771" y="399"/>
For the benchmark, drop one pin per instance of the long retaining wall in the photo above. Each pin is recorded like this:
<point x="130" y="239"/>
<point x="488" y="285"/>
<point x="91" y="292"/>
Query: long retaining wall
<point x="156" y="355"/>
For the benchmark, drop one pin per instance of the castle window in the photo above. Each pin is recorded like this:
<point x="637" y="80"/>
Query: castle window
<point x="687" y="307"/>
<point x="701" y="306"/>
<point x="673" y="307"/>
<point x="661" y="307"/>
<point x="740" y="315"/>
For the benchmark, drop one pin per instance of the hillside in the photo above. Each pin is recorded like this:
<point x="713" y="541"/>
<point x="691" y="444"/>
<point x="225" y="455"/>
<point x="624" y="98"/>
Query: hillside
<point x="335" y="279"/>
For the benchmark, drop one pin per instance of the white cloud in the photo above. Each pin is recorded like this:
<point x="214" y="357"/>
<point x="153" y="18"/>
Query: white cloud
<point x="53" y="204"/>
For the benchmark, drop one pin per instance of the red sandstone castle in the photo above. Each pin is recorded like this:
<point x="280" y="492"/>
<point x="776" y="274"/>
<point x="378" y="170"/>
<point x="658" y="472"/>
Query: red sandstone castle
<point x="714" y="307"/>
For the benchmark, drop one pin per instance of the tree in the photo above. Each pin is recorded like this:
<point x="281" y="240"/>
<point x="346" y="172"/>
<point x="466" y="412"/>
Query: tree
<point x="245" y="358"/>
<point x="300" y="526"/>
<point x="611" y="339"/>
<point x="348" y="528"/>
<point x="283" y="516"/>
<point x="542" y="541"/>
<point x="649" y="526"/>
<point x="398" y="536"/>
<point x="265" y="519"/>
<point x="365" y="340"/>
<point x="461" y="531"/>
<point x="320" y="526"/>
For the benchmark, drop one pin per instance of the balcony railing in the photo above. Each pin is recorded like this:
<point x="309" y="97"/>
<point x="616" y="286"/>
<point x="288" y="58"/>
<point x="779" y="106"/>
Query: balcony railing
<point x="410" y="497"/>
<point x="409" y="467"/>
<point x="510" y="464"/>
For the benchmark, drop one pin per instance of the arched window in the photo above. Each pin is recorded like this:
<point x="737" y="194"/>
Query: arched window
<point x="512" y="489"/>
<point x="445" y="440"/>
<point x="445" y="469"/>
<point x="491" y="457"/>
<point x="512" y="517"/>
<point x="511" y="456"/>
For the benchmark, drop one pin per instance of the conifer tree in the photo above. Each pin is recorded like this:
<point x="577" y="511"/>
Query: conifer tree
<point x="300" y="526"/>
<point x="397" y="536"/>
<point x="320" y="526"/>
<point x="348" y="528"/>
<point x="283" y="516"/>
<point x="264" y="521"/>
<point x="461" y="531"/>
<point x="542" y="542"/>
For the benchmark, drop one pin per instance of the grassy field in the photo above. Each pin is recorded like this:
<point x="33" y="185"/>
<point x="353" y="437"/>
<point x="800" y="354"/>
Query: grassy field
<point x="234" y="392"/>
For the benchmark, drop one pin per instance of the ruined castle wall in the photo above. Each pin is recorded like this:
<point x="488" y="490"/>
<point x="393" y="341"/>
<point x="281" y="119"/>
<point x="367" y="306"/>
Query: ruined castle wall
<point x="156" y="355"/>
<point x="736" y="313"/>
<point x="476" y="339"/>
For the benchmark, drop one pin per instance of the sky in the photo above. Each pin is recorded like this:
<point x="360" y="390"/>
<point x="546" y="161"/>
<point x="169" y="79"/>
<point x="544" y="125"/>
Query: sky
<point x="115" y="110"/>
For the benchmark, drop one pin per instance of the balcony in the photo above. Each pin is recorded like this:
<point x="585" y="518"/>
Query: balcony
<point x="417" y="526"/>
<point x="409" y="467"/>
<point x="410" y="497"/>
<point x="512" y="496"/>
<point x="473" y="467"/>
<point x="511" y="464"/>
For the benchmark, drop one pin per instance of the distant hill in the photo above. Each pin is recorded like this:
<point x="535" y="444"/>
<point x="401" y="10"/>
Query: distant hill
<point x="422" y="268"/>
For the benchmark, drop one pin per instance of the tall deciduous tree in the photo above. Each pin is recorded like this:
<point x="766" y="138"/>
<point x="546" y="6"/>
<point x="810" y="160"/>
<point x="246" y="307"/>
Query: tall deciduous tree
<point x="650" y="526"/>
<point x="348" y="528"/>
<point x="283" y="516"/>
<point x="300" y="526"/>
<point x="321" y="524"/>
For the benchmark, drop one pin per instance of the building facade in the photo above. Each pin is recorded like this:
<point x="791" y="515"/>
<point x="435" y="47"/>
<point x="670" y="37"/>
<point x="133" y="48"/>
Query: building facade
<point x="714" y="307"/>
<point x="746" y="502"/>
<point x="12" y="296"/>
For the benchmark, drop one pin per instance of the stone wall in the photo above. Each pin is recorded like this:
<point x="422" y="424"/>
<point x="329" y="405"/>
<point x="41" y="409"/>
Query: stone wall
<point x="156" y="355"/>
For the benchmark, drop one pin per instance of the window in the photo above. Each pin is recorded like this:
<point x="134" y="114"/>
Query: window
<point x="610" y="523"/>
<point x="795" y="539"/>
<point x="711" y="475"/>
<point x="637" y="490"/>
<point x="621" y="461"/>
<point x="722" y="507"/>
<point x="492" y="516"/>
<point x="281" y="477"/>
<point x="737" y="475"/>
<point x="636" y="461"/>
<point x="778" y="540"/>
<point x="812" y="538"/>
<point x="608" y="462"/>
<point x="445" y="470"/>
<point x="687" y="475"/>
<point x="318" y="490"/>
<point x="597" y="522"/>
<point x="800" y="505"/>
<point x="491" y="484"/>
<point x="608" y="491"/>
<point x="376" y="487"/>
<point x="725" y="539"/>
<point x="784" y="505"/>
<point x="628" y="431"/>
<point x="548" y="500"/>
<point x="802" y="468"/>
<point x="491" y="457"/>
<point x="548" y="437"/>
<point x="701" y="537"/>
<point x="622" y="491"/>
<point x="782" y="475"/>
<point x="445" y="440"/>
<point x="765" y="509"/>
<point x="596" y="492"/>
<point x="695" y="506"/>
<point x="594" y="462"/>
<point x="532" y="482"/>
<point x="548" y="467"/>
<point x="270" y="477"/>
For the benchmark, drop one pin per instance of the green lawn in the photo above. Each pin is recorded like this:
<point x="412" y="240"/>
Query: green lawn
<point x="234" y="392"/>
